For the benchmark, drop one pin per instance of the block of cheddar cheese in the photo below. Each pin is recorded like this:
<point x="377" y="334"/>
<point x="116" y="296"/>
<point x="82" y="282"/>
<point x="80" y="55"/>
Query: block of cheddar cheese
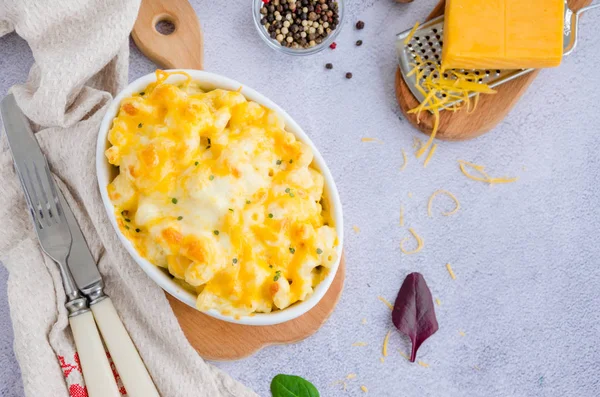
<point x="502" y="34"/>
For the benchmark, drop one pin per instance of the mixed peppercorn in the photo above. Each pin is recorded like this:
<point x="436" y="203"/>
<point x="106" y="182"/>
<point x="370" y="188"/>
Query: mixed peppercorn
<point x="299" y="23"/>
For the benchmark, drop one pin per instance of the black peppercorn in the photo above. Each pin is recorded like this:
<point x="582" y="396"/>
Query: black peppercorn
<point x="348" y="75"/>
<point x="360" y="25"/>
<point x="328" y="66"/>
<point x="358" y="43"/>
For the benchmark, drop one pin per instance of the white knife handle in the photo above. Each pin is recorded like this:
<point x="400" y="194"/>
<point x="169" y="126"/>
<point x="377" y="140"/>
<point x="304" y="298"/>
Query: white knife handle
<point x="98" y="376"/>
<point x="131" y="368"/>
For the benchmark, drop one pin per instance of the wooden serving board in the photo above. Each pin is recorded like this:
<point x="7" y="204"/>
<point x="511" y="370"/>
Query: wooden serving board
<point x="215" y="339"/>
<point x="491" y="109"/>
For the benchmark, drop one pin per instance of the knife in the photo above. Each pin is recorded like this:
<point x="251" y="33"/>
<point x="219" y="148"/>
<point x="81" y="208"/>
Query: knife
<point x="56" y="241"/>
<point x="87" y="278"/>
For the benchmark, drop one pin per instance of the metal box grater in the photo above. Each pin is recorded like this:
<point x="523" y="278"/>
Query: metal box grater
<point x="427" y="42"/>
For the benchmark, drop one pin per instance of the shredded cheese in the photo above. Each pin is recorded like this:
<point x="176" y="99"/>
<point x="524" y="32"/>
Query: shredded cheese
<point x="401" y="215"/>
<point x="404" y="354"/>
<point x="453" y="197"/>
<point x="410" y="194"/>
<point x="356" y="229"/>
<point x="419" y="243"/>
<point x="387" y="303"/>
<point x="439" y="302"/>
<point x="450" y="271"/>
<point x="440" y="91"/>
<point x="364" y="388"/>
<point x="462" y="333"/>
<point x="351" y="376"/>
<point x="483" y="176"/>
<point x="411" y="33"/>
<point x="371" y="140"/>
<point x="475" y="367"/>
<point x="405" y="161"/>
<point x="423" y="364"/>
<point x="359" y="344"/>
<point x="382" y="359"/>
<point x="363" y="321"/>
<point x="429" y="155"/>
<point x="417" y="143"/>
<point x="384" y="349"/>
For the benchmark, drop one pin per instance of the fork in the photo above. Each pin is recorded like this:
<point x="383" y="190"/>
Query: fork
<point x="55" y="238"/>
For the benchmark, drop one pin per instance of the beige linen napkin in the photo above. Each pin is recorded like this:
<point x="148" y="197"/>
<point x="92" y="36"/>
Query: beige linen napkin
<point x="81" y="57"/>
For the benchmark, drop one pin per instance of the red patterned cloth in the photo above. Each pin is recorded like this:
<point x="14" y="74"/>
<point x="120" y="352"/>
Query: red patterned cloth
<point x="74" y="376"/>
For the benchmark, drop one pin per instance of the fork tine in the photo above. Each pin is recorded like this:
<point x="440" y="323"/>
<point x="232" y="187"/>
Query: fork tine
<point x="34" y="202"/>
<point x="49" y="198"/>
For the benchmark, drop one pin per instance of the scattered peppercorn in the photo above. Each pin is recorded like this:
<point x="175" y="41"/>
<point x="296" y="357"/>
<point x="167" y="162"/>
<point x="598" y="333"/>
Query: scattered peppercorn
<point x="333" y="45"/>
<point x="348" y="75"/>
<point x="137" y="230"/>
<point x="360" y="25"/>
<point x="329" y="66"/>
<point x="299" y="24"/>
<point x="142" y="93"/>
<point x="358" y="43"/>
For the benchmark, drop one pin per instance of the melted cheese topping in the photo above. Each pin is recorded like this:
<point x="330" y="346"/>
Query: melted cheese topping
<point x="213" y="188"/>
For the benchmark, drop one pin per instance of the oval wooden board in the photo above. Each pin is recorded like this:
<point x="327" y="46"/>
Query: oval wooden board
<point x="491" y="109"/>
<point x="219" y="340"/>
<point x="215" y="339"/>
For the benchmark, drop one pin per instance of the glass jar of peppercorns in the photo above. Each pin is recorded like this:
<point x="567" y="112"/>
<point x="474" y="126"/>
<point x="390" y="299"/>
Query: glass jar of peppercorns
<point x="298" y="27"/>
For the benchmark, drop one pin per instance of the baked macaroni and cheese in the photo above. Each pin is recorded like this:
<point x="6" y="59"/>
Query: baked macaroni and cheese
<point x="213" y="188"/>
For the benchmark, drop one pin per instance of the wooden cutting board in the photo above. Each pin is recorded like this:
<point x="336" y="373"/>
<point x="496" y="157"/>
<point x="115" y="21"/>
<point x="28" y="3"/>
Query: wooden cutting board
<point x="215" y="339"/>
<point x="491" y="109"/>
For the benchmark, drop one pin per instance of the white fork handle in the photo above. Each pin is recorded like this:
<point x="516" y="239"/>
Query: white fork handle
<point x="131" y="368"/>
<point x="98" y="376"/>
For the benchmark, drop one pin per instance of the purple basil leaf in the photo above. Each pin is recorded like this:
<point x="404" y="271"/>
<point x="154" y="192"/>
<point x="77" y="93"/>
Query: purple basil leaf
<point x="414" y="314"/>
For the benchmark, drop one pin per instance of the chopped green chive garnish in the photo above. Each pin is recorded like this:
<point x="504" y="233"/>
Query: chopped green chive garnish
<point x="270" y="215"/>
<point x="211" y="177"/>
<point x="196" y="163"/>
<point x="137" y="230"/>
<point x="231" y="209"/>
<point x="271" y="266"/>
<point x="292" y="250"/>
<point x="278" y="162"/>
<point x="140" y="125"/>
<point x="127" y="220"/>
<point x="319" y="251"/>
<point x="126" y="227"/>
<point x="142" y="93"/>
<point x="174" y="200"/>
<point x="291" y="194"/>
<point x="291" y="161"/>
<point x="247" y="201"/>
<point x="234" y="260"/>
<point x="216" y="232"/>
<point x="277" y="275"/>
<point x="179" y="218"/>
<point x="287" y="190"/>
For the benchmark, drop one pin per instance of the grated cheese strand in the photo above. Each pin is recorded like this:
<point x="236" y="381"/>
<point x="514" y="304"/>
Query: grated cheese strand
<point x="423" y="364"/>
<point x="356" y="229"/>
<point x="359" y="344"/>
<point x="351" y="376"/>
<point x="405" y="161"/>
<point x="429" y="155"/>
<point x="404" y="354"/>
<point x="363" y="321"/>
<point x="453" y="197"/>
<point x="401" y="215"/>
<point x="386" y="340"/>
<point x="366" y="139"/>
<point x="387" y="303"/>
<point x="462" y="333"/>
<point x="419" y="243"/>
<point x="411" y="33"/>
<point x="481" y="170"/>
<point x="364" y="389"/>
<point x="450" y="271"/>
<point x="382" y="359"/>
<point x="436" y="124"/>
<point x="439" y="302"/>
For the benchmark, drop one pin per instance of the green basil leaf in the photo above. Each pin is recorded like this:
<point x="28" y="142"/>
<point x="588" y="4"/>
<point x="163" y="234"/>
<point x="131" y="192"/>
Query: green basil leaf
<point x="292" y="386"/>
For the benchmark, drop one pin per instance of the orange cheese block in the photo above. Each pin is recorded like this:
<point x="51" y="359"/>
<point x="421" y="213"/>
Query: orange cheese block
<point x="502" y="34"/>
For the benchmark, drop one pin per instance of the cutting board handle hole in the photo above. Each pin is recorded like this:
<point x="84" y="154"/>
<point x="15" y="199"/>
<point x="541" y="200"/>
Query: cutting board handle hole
<point x="165" y="24"/>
